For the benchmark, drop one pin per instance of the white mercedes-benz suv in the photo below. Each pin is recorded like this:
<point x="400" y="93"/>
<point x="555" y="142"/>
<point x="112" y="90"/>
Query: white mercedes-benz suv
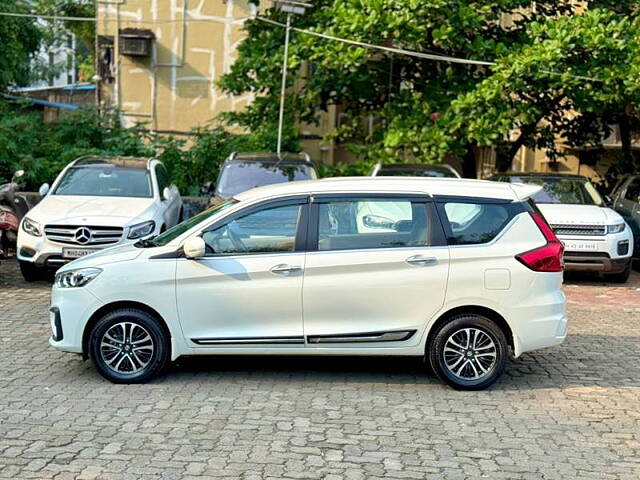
<point x="465" y="273"/>
<point x="96" y="202"/>
<point x="596" y="238"/>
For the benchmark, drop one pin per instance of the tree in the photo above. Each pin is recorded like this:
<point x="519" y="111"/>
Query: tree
<point x="20" y="41"/>
<point x="422" y="106"/>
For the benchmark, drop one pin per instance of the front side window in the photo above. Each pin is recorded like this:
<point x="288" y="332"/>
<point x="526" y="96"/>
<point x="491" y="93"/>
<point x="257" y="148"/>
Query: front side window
<point x="162" y="177"/>
<point x="265" y="231"/>
<point x="372" y="223"/>
<point x="633" y="190"/>
<point x="105" y="182"/>
<point x="237" y="177"/>
<point x="176" y="231"/>
<point x="474" y="223"/>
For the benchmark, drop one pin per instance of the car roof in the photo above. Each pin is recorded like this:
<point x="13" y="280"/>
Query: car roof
<point x="138" y="163"/>
<point x="270" y="158"/>
<point x="424" y="185"/>
<point x="540" y="175"/>
<point x="414" y="167"/>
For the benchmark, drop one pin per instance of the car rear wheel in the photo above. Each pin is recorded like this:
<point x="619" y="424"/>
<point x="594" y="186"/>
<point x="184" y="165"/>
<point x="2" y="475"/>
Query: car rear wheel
<point x="469" y="352"/>
<point x="31" y="273"/>
<point x="129" y="346"/>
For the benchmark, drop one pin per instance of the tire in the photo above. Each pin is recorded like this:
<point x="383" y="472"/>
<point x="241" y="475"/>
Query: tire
<point x="116" y="360"/>
<point x="458" y="366"/>
<point x="621" y="277"/>
<point x="31" y="273"/>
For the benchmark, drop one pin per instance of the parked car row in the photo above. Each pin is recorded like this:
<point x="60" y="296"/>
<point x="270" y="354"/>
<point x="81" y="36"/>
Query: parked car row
<point x="464" y="273"/>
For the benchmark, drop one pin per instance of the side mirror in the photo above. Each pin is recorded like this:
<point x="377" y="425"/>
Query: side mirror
<point x="194" y="248"/>
<point x="18" y="174"/>
<point x="376" y="221"/>
<point x="208" y="188"/>
<point x="44" y="189"/>
<point x="166" y="193"/>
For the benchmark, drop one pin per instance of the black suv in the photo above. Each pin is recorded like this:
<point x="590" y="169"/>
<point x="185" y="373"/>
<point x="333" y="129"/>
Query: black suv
<point x="243" y="171"/>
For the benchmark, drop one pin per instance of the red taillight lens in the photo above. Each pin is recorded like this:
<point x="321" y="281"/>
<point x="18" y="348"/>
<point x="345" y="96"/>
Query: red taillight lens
<point x="547" y="258"/>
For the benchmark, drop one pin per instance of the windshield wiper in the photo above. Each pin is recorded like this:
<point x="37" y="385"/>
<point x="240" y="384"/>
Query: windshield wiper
<point x="145" y="243"/>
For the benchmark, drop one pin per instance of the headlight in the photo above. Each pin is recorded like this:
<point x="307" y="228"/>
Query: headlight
<point x="31" y="227"/>
<point x="617" y="228"/>
<point x="76" y="278"/>
<point x="142" y="229"/>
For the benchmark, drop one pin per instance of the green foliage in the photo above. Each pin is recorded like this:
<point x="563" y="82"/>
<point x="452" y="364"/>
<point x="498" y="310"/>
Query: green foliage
<point x="20" y="41"/>
<point x="426" y="110"/>
<point x="42" y="150"/>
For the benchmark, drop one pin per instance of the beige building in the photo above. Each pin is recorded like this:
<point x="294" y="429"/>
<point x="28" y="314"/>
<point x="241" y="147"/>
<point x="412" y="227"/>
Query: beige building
<point x="158" y="60"/>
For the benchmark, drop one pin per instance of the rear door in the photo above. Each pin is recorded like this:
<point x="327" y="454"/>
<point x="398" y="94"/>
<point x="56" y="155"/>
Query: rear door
<point x="376" y="270"/>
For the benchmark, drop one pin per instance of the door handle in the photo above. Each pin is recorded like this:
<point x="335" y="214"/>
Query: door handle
<point x="284" y="269"/>
<point x="421" y="261"/>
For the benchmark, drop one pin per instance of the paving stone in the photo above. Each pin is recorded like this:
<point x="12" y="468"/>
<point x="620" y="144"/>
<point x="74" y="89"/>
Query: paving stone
<point x="565" y="412"/>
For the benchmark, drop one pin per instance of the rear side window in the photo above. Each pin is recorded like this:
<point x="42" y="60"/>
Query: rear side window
<point x="373" y="223"/>
<point x="469" y="223"/>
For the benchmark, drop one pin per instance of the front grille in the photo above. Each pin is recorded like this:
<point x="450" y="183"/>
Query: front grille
<point x="561" y="229"/>
<point x="83" y="235"/>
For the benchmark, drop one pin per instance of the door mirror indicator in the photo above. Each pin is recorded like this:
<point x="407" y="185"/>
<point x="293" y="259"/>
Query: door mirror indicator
<point x="194" y="248"/>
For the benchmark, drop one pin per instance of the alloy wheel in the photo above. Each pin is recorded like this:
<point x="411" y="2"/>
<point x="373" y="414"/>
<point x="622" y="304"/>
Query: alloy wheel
<point x="126" y="348"/>
<point x="470" y="354"/>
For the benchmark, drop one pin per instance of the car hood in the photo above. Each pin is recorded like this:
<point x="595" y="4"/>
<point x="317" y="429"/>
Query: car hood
<point x="565" y="214"/>
<point x="120" y="253"/>
<point x="107" y="211"/>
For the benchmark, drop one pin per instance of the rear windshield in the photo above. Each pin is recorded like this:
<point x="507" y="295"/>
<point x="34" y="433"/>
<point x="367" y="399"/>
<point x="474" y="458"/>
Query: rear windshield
<point x="573" y="191"/>
<point x="238" y="177"/>
<point x="105" y="182"/>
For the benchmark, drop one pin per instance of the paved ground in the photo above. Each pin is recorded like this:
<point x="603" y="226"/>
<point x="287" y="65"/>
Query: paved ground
<point x="564" y="413"/>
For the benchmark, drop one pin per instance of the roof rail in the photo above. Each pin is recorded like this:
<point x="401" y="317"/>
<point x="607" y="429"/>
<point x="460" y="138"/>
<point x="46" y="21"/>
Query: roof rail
<point x="233" y="155"/>
<point x="306" y="156"/>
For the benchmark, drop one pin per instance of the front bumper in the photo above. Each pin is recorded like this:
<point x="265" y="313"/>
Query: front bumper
<point x="609" y="253"/>
<point x="69" y="314"/>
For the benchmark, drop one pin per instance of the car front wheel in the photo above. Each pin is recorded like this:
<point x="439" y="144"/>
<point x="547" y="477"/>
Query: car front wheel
<point x="469" y="352"/>
<point x="129" y="346"/>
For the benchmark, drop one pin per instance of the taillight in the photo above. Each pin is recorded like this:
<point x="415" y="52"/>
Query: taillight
<point x="547" y="258"/>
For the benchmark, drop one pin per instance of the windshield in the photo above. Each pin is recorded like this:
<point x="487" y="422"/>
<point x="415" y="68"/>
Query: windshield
<point x="175" y="232"/>
<point x="105" y="182"/>
<point x="239" y="177"/>
<point x="573" y="191"/>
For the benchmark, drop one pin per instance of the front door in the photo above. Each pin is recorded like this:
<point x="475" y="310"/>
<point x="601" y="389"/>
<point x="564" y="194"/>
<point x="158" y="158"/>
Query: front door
<point x="248" y="288"/>
<point x="379" y="272"/>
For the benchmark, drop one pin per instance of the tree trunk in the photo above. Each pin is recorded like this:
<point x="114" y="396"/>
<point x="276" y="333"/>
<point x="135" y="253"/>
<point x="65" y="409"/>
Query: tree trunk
<point x="469" y="169"/>
<point x="625" y="139"/>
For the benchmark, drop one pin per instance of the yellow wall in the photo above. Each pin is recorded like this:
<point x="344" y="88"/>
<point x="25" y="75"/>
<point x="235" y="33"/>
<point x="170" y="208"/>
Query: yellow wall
<point x="196" y="40"/>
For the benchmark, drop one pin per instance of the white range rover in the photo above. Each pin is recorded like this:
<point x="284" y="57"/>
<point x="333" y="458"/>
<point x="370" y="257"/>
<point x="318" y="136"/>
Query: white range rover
<point x="596" y="238"/>
<point x="96" y="202"/>
<point x="463" y="273"/>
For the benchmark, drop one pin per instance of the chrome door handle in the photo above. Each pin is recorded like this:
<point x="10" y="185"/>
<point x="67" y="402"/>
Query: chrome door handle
<point x="422" y="261"/>
<point x="284" y="269"/>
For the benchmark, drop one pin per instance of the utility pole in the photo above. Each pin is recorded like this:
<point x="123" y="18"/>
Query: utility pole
<point x="290" y="7"/>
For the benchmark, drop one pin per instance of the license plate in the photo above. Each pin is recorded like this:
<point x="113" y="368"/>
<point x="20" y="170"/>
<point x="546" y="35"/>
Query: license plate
<point x="581" y="246"/>
<point x="77" y="252"/>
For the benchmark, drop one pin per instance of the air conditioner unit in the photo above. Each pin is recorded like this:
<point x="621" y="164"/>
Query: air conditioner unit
<point x="136" y="42"/>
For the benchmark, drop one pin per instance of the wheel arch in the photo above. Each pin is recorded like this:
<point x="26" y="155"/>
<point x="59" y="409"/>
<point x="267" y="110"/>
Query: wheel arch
<point x="110" y="307"/>
<point x="492" y="315"/>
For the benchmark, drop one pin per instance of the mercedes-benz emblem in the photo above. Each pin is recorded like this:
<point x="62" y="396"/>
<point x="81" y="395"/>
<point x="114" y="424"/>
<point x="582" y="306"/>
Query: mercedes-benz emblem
<point x="82" y="235"/>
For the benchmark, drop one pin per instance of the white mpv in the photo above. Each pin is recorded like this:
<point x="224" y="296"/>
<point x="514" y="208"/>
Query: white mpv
<point x="96" y="202"/>
<point x="465" y="273"/>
